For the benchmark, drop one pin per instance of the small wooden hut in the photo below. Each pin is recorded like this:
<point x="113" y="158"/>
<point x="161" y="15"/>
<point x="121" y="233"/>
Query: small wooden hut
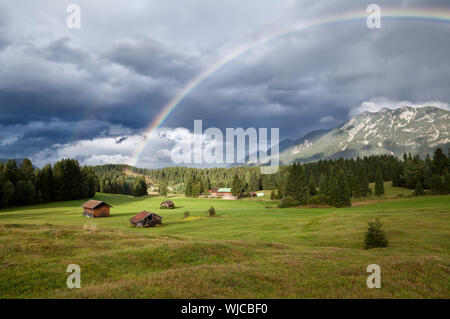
<point x="146" y="219"/>
<point x="167" y="204"/>
<point x="96" y="208"/>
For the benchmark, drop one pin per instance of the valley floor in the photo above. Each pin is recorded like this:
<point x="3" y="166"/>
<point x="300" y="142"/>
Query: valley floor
<point x="250" y="250"/>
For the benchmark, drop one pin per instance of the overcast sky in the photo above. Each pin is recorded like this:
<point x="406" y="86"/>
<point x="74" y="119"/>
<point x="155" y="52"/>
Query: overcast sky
<point x="89" y="93"/>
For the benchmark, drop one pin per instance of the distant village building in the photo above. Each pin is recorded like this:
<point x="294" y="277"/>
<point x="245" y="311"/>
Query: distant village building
<point x="168" y="204"/>
<point x="224" y="193"/>
<point x="229" y="197"/>
<point x="213" y="191"/>
<point x="146" y="219"/>
<point x="95" y="208"/>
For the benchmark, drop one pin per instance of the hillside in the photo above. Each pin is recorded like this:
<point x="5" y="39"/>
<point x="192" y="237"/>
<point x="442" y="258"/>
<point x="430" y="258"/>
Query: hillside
<point x="407" y="129"/>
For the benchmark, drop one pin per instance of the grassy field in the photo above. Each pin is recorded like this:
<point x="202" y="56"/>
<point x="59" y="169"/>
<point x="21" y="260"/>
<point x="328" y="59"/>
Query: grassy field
<point x="250" y="250"/>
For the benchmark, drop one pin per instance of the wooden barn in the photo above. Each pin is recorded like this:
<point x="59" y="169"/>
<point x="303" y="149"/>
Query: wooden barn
<point x="167" y="204"/>
<point x="146" y="219"/>
<point x="96" y="208"/>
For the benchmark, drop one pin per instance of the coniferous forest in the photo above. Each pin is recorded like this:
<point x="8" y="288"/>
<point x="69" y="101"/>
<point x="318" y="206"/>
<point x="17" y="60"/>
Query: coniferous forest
<point x="328" y="182"/>
<point x="25" y="185"/>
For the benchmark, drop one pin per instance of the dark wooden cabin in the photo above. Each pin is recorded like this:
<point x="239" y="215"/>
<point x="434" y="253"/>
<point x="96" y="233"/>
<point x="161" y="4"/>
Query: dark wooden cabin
<point x="96" y="208"/>
<point x="146" y="219"/>
<point x="167" y="204"/>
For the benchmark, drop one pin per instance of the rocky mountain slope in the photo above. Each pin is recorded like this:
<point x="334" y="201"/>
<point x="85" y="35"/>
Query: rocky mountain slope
<point x="406" y="129"/>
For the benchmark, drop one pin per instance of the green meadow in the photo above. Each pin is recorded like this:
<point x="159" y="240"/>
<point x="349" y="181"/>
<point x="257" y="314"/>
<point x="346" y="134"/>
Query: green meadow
<point x="251" y="249"/>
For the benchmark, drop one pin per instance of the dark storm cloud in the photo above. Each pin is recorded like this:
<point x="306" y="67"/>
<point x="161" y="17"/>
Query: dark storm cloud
<point x="80" y="84"/>
<point x="61" y="51"/>
<point x="147" y="57"/>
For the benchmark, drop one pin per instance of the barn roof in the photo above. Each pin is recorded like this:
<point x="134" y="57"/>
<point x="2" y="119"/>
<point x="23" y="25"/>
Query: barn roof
<point x="169" y="202"/>
<point x="214" y="189"/>
<point x="142" y="215"/>
<point x="224" y="190"/>
<point x="94" y="203"/>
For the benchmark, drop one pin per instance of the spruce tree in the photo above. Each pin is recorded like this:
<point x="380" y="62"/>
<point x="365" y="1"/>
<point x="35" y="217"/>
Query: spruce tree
<point x="46" y="183"/>
<point x="25" y="192"/>
<point x="427" y="173"/>
<point x="7" y="192"/>
<point x="253" y="184"/>
<point x="375" y="235"/>
<point x="439" y="162"/>
<point x="437" y="184"/>
<point x="379" y="184"/>
<point x="446" y="183"/>
<point x="26" y="171"/>
<point x="361" y="182"/>
<point x="189" y="185"/>
<point x="236" y="188"/>
<point x="418" y="190"/>
<point x="312" y="186"/>
<point x="162" y="189"/>
<point x="339" y="190"/>
<point x="296" y="186"/>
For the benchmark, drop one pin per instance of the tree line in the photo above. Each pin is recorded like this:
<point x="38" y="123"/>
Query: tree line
<point x="336" y="182"/>
<point x="25" y="185"/>
<point x="113" y="180"/>
<point x="331" y="182"/>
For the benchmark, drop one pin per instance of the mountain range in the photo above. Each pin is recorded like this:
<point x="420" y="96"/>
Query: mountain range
<point x="388" y="131"/>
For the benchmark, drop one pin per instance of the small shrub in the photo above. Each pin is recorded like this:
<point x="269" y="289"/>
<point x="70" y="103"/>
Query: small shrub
<point x="288" y="202"/>
<point x="186" y="214"/>
<point x="375" y="235"/>
<point x="317" y="200"/>
<point x="212" y="212"/>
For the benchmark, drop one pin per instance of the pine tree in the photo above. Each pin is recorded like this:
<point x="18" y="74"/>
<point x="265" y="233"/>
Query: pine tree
<point x="446" y="182"/>
<point x="375" y="235"/>
<point x="188" y="188"/>
<point x="418" y="190"/>
<point x="312" y="186"/>
<point x="212" y="212"/>
<point x="26" y="171"/>
<point x="361" y="188"/>
<point x="427" y="173"/>
<point x="90" y="183"/>
<point x="339" y="191"/>
<point x="323" y="185"/>
<point x="68" y="180"/>
<point x="253" y="184"/>
<point x="236" y="188"/>
<point x="410" y="173"/>
<point x="25" y="192"/>
<point x="162" y="189"/>
<point x="7" y="192"/>
<point x="296" y="185"/>
<point x="11" y="172"/>
<point x="439" y="162"/>
<point x="437" y="184"/>
<point x="140" y="187"/>
<point x="379" y="184"/>
<point x="45" y="184"/>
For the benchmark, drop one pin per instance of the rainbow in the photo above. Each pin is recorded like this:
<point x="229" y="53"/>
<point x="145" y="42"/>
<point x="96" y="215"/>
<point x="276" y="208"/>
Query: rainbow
<point x="425" y="14"/>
